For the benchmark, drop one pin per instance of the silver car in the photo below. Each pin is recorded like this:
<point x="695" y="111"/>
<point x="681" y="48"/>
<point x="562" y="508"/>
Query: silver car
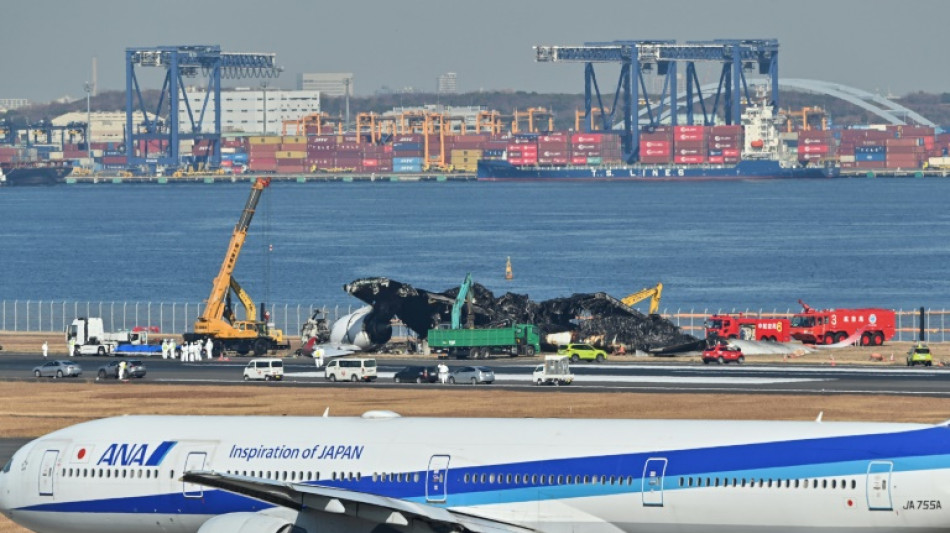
<point x="58" y="369"/>
<point x="472" y="374"/>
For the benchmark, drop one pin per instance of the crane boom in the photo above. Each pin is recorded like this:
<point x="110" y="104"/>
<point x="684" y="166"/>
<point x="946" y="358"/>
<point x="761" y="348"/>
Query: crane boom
<point x="654" y="293"/>
<point x="218" y="321"/>
<point x="222" y="282"/>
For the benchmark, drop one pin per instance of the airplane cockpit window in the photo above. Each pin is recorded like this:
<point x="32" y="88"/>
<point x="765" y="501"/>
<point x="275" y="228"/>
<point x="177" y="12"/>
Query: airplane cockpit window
<point x="6" y="467"/>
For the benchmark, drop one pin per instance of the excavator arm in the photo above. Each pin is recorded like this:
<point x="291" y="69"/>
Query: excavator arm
<point x="654" y="293"/>
<point x="460" y="301"/>
<point x="214" y="310"/>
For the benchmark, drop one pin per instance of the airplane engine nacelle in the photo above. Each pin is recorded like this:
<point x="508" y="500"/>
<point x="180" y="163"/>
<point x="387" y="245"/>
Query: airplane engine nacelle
<point x="358" y="328"/>
<point x="246" y="523"/>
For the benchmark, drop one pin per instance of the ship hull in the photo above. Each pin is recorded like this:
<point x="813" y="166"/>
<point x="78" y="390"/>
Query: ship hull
<point x="30" y="175"/>
<point x="745" y="170"/>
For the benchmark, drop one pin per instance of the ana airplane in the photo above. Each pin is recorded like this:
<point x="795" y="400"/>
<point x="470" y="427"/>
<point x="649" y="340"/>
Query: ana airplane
<point x="382" y="472"/>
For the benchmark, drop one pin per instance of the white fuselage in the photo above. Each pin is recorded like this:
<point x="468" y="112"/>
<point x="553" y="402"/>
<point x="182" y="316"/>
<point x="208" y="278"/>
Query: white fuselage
<point x="123" y="474"/>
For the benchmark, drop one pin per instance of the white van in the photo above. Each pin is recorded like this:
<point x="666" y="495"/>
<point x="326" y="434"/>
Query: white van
<point x="351" y="369"/>
<point x="269" y="368"/>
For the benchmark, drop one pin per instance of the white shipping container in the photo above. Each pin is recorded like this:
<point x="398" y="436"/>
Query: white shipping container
<point x="847" y="158"/>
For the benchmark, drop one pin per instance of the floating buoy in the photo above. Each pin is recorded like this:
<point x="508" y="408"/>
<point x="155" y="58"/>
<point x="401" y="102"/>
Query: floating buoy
<point x="508" y="274"/>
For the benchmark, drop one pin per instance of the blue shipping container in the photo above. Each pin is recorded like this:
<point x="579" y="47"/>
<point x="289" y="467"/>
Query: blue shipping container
<point x="407" y="161"/>
<point x="407" y="168"/>
<point x="407" y="147"/>
<point x="881" y="157"/>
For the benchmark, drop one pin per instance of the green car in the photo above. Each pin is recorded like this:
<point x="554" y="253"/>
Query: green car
<point x="919" y="355"/>
<point x="582" y="351"/>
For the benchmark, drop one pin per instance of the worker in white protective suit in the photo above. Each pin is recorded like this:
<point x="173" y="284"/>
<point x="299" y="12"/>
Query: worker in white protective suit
<point x="209" y="347"/>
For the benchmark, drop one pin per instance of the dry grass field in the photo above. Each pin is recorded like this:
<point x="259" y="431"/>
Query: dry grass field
<point x="30" y="409"/>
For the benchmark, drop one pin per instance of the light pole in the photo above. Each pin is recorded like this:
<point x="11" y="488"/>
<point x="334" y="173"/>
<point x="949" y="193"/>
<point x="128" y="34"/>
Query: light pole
<point x="88" y="89"/>
<point x="264" y="89"/>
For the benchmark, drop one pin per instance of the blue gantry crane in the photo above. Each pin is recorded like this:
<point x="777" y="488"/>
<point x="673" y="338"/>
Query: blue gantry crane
<point x="663" y="56"/>
<point x="182" y="62"/>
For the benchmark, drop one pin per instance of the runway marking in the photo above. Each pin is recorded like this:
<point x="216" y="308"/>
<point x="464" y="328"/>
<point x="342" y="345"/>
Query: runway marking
<point x="692" y="380"/>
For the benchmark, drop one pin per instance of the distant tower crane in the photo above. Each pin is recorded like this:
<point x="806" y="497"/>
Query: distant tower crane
<point x="662" y="56"/>
<point x="182" y="62"/>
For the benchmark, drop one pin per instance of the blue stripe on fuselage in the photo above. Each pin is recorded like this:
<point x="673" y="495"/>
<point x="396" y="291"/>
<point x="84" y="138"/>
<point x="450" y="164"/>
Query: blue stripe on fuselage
<point x="922" y="449"/>
<point x="156" y="458"/>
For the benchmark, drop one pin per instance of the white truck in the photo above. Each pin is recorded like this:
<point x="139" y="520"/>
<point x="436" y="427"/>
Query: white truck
<point x="556" y="370"/>
<point x="87" y="336"/>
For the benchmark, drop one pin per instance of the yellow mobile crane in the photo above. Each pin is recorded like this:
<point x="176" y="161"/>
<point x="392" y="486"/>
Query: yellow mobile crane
<point x="219" y="322"/>
<point x="653" y="293"/>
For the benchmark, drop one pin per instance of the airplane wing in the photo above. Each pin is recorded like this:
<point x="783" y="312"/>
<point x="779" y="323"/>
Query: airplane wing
<point x="381" y="509"/>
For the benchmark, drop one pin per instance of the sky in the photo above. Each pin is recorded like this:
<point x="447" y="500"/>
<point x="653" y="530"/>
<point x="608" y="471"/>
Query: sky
<point x="46" y="47"/>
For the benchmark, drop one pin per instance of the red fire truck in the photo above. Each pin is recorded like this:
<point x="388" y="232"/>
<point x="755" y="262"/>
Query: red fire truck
<point x="748" y="328"/>
<point x="828" y="326"/>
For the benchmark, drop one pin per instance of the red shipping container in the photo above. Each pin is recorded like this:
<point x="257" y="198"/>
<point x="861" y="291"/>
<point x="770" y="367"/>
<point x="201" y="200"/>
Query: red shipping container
<point x="654" y="152"/>
<point x="689" y="129"/>
<point x="578" y="160"/>
<point x="652" y="160"/>
<point x="646" y="143"/>
<point x="717" y="137"/>
<point x="313" y="140"/>
<point x="809" y="156"/>
<point x="517" y="161"/>
<point x="586" y="138"/>
<point x="370" y="163"/>
<point x="689" y="151"/>
<point x="408" y="139"/>
<point x="688" y="159"/>
<point x="688" y="136"/>
<point x="730" y="153"/>
<point x="554" y="138"/>
<point x="723" y="145"/>
<point x="730" y="160"/>
<point x="813" y="149"/>
<point x="716" y="159"/>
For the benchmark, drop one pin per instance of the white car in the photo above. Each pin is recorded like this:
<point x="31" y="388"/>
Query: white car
<point x="267" y="369"/>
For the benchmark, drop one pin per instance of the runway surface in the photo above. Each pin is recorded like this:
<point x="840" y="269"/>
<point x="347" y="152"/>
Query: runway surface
<point x="652" y="376"/>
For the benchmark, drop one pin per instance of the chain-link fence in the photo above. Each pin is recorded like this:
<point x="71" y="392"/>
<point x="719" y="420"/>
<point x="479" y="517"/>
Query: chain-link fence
<point x="177" y="318"/>
<point x="171" y="318"/>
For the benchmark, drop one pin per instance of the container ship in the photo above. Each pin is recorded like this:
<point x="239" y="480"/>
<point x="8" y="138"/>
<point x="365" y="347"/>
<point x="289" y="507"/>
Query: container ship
<point x="752" y="150"/>
<point x="33" y="173"/>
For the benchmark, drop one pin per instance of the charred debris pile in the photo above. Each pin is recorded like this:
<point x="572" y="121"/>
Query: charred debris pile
<point x="596" y="318"/>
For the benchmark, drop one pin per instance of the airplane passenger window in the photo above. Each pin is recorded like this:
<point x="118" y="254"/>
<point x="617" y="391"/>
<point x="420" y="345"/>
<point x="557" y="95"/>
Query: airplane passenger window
<point x="465" y="478"/>
<point x="853" y="484"/>
<point x="491" y="478"/>
<point x="415" y="477"/>
<point x="824" y="483"/>
<point x="560" y="480"/>
<point x="171" y="474"/>
<point x="834" y="483"/>
<point x="508" y="479"/>
<point x="359" y="476"/>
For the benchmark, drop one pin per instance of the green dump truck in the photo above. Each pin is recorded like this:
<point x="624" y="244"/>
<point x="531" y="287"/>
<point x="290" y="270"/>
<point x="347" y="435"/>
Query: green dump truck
<point x="519" y="339"/>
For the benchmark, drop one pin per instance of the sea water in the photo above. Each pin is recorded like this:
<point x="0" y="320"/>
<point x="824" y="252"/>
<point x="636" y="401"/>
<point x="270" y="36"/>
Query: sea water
<point x="714" y="246"/>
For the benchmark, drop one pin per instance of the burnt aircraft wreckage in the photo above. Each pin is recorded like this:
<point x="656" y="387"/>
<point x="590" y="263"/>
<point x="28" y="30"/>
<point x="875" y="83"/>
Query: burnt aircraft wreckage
<point x="596" y="318"/>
